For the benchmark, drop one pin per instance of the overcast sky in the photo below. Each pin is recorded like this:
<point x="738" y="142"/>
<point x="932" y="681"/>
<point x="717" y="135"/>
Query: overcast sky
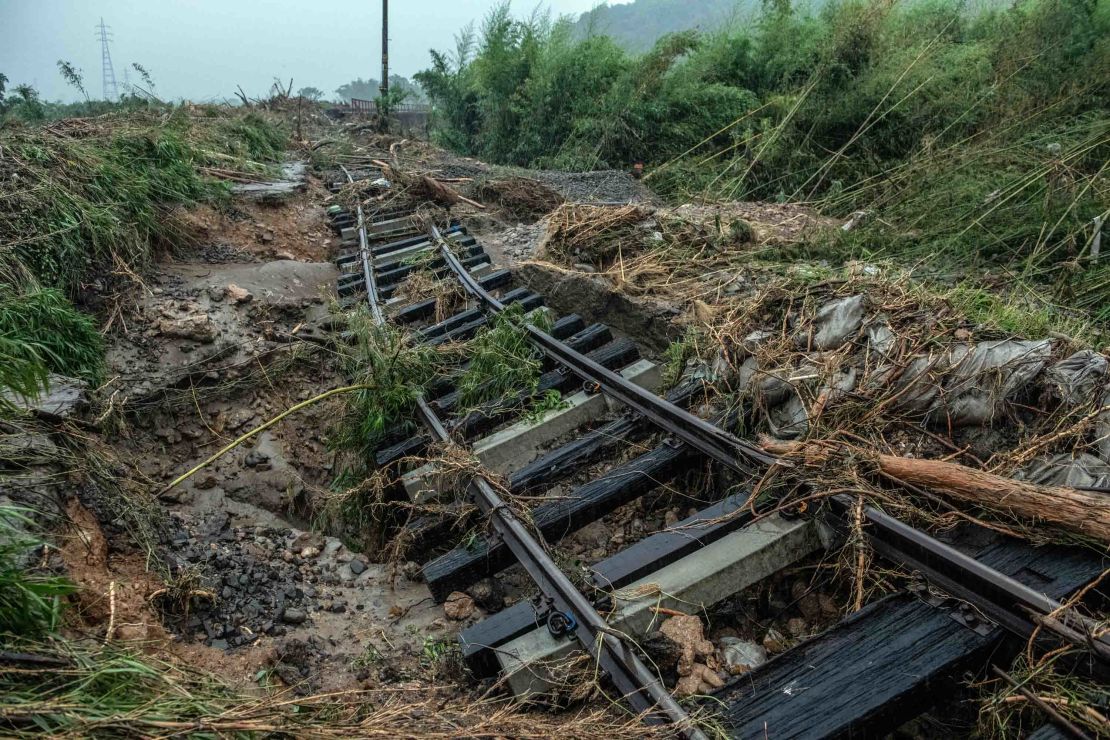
<point x="202" y="49"/>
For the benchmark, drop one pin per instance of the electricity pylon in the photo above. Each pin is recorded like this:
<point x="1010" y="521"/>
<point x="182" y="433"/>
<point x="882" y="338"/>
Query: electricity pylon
<point x="111" y="91"/>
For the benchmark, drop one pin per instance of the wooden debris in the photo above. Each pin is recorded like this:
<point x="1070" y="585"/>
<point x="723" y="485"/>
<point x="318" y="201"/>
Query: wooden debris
<point x="1084" y="513"/>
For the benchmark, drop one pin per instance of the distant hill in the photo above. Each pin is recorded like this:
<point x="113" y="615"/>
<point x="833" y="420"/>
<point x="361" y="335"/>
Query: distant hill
<point x="638" y="25"/>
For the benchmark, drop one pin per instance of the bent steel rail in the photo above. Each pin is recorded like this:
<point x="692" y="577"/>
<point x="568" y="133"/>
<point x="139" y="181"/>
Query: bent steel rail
<point x="638" y="685"/>
<point x="999" y="597"/>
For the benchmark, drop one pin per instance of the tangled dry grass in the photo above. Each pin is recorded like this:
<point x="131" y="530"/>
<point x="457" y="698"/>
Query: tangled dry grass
<point x="70" y="690"/>
<point x="595" y="235"/>
<point x="522" y="198"/>
<point x="760" y="324"/>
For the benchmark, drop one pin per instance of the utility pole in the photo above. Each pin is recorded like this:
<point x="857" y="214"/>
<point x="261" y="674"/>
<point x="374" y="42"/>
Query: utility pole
<point x="111" y="91"/>
<point x="385" y="58"/>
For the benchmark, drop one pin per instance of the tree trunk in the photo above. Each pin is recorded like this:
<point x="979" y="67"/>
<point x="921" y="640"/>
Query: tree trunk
<point x="1084" y="513"/>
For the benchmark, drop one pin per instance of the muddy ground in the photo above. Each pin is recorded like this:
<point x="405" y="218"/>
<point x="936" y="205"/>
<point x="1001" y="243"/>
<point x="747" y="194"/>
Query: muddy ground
<point x="240" y="582"/>
<point x="230" y="570"/>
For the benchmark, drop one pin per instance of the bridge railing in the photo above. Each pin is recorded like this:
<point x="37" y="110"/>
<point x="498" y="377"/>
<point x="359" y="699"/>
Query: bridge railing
<point x="370" y="107"/>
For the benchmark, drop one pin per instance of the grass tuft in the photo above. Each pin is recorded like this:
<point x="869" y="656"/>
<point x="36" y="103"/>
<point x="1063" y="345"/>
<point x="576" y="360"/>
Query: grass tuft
<point x="503" y="363"/>
<point x="396" y="371"/>
<point x="30" y="602"/>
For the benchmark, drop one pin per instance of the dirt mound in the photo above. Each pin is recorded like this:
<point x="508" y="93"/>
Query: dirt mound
<point x="522" y="198"/>
<point x="594" y="235"/>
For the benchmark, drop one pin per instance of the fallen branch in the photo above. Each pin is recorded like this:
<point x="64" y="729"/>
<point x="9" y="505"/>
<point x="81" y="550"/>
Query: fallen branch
<point x="432" y="188"/>
<point x="1080" y="512"/>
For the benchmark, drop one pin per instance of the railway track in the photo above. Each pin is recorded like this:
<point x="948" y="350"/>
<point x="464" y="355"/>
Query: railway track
<point x="971" y="604"/>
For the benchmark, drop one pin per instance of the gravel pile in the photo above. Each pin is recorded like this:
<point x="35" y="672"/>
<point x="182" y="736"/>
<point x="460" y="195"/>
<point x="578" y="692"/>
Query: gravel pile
<point x="264" y="580"/>
<point x="604" y="186"/>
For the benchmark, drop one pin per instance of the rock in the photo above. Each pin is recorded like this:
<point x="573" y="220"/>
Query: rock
<point x="724" y="633"/>
<point x="583" y="267"/>
<point x="63" y="398"/>
<point x="292" y="615"/>
<point x="357" y="566"/>
<point x="701" y="680"/>
<point x="266" y="237"/>
<point x="332" y="548"/>
<point x="797" y="627"/>
<point x="688" y="633"/>
<point x="595" y="534"/>
<point x="239" y="295"/>
<point x="411" y="570"/>
<point x="217" y="293"/>
<point x="196" y="327"/>
<point x="810" y="607"/>
<point x="310" y="552"/>
<point x="741" y="656"/>
<point x="829" y="609"/>
<point x="132" y="632"/>
<point x="302" y="540"/>
<point x="205" y="483"/>
<point x="487" y="593"/>
<point x="458" y="606"/>
<point x="285" y="256"/>
<point x="773" y="641"/>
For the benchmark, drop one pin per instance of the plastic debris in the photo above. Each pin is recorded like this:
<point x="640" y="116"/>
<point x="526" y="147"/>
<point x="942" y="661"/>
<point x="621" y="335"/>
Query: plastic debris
<point x="740" y="656"/>
<point x="1076" y="471"/>
<point x="1076" y="378"/>
<point x="834" y="324"/>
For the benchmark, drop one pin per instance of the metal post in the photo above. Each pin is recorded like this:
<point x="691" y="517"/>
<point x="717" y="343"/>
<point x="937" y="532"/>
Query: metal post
<point x="385" y="59"/>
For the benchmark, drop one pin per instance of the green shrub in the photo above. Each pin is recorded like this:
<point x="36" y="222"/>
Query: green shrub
<point x="503" y="362"/>
<point x="973" y="136"/>
<point x="396" y="371"/>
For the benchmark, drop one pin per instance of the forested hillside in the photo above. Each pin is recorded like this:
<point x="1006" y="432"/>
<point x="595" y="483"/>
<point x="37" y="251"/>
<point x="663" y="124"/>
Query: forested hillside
<point x="638" y="25"/>
<point x="968" y="133"/>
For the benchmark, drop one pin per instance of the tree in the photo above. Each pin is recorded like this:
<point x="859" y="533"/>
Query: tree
<point x="147" y="80"/>
<point x="3" y="85"/>
<point x="74" y="77"/>
<point x="311" y="93"/>
<point x="411" y="91"/>
<point x="369" y="89"/>
<point x="358" y="88"/>
<point x="28" y="106"/>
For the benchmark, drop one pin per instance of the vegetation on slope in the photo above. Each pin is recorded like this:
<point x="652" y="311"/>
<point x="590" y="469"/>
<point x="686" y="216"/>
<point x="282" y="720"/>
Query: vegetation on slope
<point x="981" y="135"/>
<point x="84" y="203"/>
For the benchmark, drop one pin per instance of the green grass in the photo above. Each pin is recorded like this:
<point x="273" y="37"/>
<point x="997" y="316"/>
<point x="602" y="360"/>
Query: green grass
<point x="30" y="602"/>
<point x="677" y="354"/>
<point x="503" y="363"/>
<point x="397" y="371"/>
<point x="548" y="401"/>
<point x="1021" y="316"/>
<point x="86" y="206"/>
<point x="44" y="325"/>
<point x="22" y="373"/>
<point x="104" y="692"/>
